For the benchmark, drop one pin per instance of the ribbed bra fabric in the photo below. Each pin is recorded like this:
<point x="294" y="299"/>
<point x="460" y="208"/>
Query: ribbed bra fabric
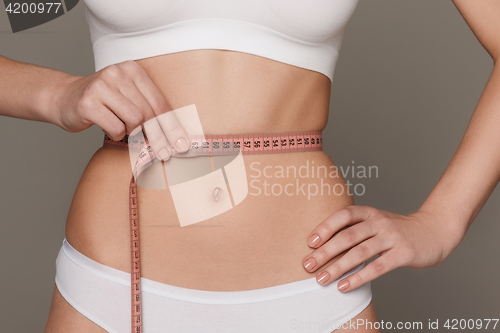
<point x="307" y="34"/>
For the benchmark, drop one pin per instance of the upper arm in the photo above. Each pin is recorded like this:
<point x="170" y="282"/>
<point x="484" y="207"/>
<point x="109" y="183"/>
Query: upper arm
<point x="483" y="17"/>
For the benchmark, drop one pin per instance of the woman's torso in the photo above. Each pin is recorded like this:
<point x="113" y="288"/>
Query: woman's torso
<point x="259" y="243"/>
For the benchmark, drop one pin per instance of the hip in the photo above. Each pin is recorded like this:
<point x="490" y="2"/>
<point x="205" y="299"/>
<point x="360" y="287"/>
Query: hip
<point x="257" y="244"/>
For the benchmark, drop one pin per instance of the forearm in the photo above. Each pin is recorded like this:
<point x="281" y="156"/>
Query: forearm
<point x="474" y="170"/>
<point x="28" y="91"/>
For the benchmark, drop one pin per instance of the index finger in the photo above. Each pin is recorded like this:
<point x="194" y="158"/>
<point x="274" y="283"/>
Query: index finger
<point x="172" y="128"/>
<point x="339" y="219"/>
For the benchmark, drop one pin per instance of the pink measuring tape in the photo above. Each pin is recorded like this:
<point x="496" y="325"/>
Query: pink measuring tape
<point x="201" y="145"/>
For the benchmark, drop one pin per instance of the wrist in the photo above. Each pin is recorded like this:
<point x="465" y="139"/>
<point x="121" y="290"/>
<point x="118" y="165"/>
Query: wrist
<point x="450" y="222"/>
<point x="50" y="98"/>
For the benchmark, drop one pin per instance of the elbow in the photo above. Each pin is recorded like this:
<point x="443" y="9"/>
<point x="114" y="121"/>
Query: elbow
<point x="496" y="57"/>
<point x="494" y="54"/>
<point x="493" y="50"/>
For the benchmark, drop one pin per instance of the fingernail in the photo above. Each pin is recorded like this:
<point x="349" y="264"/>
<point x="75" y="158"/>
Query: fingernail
<point x="182" y="145"/>
<point x="309" y="264"/>
<point x="343" y="285"/>
<point x="313" y="240"/>
<point x="323" y="277"/>
<point x="164" y="154"/>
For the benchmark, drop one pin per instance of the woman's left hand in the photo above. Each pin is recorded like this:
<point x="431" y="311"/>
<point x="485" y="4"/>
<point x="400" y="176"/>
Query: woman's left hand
<point x="418" y="240"/>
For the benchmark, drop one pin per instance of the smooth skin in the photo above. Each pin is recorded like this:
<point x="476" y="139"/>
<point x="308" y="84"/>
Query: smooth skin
<point x="121" y="97"/>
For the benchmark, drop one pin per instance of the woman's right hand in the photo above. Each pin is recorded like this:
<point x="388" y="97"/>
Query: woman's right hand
<point x="119" y="99"/>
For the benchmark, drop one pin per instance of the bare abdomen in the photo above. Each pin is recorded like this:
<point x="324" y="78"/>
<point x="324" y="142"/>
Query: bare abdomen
<point x="259" y="243"/>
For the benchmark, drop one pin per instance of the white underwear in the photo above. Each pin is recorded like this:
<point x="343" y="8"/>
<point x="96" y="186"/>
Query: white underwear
<point x="102" y="294"/>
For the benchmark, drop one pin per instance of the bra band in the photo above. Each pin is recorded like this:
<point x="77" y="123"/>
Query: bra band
<point x="207" y="145"/>
<point x="231" y="144"/>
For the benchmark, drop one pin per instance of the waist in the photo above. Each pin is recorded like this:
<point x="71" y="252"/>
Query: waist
<point x="259" y="242"/>
<point x="233" y="144"/>
<point x="218" y="185"/>
<point x="272" y="171"/>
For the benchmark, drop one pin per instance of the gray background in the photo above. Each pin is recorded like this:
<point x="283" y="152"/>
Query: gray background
<point x="409" y="76"/>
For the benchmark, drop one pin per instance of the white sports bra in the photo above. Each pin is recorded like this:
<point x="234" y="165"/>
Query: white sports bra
<point x="303" y="33"/>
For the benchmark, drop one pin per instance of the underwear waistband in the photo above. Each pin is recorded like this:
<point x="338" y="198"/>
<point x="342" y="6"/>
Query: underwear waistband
<point x="69" y="256"/>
